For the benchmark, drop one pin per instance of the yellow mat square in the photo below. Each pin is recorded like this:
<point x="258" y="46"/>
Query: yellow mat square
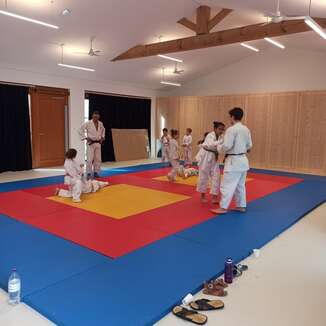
<point x="191" y="181"/>
<point x="122" y="200"/>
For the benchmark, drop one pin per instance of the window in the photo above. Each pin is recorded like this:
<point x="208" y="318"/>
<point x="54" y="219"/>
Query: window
<point x="162" y="122"/>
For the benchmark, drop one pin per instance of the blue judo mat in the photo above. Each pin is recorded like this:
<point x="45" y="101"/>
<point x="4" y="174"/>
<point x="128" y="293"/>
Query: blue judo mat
<point x="74" y="286"/>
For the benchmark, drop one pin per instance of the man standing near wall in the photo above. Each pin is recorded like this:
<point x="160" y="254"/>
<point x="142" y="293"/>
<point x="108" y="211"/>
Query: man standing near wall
<point x="94" y="133"/>
<point x="235" y="145"/>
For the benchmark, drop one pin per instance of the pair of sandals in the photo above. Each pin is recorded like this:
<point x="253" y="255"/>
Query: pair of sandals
<point x="239" y="269"/>
<point x="199" y="305"/>
<point x="216" y="288"/>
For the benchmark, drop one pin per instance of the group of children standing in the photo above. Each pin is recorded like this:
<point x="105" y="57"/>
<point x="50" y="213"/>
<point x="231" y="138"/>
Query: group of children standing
<point x="233" y="144"/>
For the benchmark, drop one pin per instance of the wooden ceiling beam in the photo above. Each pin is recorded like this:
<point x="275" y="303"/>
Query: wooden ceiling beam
<point x="187" y="23"/>
<point x="202" y="19"/>
<point x="218" y="18"/>
<point x="235" y="35"/>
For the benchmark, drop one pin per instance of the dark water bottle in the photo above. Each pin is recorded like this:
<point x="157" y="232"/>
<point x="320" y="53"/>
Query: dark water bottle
<point x="228" y="271"/>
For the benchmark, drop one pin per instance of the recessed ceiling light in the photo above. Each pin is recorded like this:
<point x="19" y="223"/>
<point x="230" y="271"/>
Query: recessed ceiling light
<point x="66" y="12"/>
<point x="274" y="42"/>
<point x="170" y="83"/>
<point x="10" y="14"/>
<point x="75" y="67"/>
<point x="169" y="58"/>
<point x="250" y="47"/>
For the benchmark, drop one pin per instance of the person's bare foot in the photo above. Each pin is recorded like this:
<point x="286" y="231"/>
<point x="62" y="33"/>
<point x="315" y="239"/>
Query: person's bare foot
<point x="56" y="192"/>
<point x="219" y="211"/>
<point x="240" y="209"/>
<point x="214" y="200"/>
<point x="203" y="198"/>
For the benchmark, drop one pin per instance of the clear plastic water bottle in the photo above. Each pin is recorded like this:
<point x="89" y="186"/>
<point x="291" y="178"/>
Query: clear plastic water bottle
<point x="14" y="287"/>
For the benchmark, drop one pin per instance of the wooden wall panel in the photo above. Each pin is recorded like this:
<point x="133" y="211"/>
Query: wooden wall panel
<point x="211" y="106"/>
<point x="283" y="135"/>
<point x="258" y="120"/>
<point x="190" y="117"/>
<point x="228" y="103"/>
<point x="311" y="140"/>
<point x="288" y="129"/>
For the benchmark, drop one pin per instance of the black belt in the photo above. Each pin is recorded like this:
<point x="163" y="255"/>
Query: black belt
<point x="226" y="155"/>
<point x="211" y="151"/>
<point x="91" y="142"/>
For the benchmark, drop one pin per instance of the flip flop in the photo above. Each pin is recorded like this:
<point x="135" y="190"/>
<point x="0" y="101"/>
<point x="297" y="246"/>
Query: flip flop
<point x="214" y="289"/>
<point x="189" y="315"/>
<point x="220" y="282"/>
<point x="205" y="305"/>
<point x="239" y="269"/>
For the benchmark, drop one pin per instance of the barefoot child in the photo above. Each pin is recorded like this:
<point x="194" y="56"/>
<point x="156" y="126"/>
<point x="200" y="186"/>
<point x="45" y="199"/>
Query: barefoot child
<point x="187" y="141"/>
<point x="186" y="173"/>
<point x="165" y="141"/>
<point x="174" y="154"/>
<point x="74" y="179"/>
<point x="209" y="169"/>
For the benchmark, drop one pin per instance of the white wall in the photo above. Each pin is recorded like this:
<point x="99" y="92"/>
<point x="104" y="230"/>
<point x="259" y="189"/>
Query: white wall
<point x="271" y="70"/>
<point x="77" y="89"/>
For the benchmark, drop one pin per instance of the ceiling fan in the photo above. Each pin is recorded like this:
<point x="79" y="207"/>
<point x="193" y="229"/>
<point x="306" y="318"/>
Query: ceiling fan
<point x="91" y="52"/>
<point x="176" y="70"/>
<point x="277" y="16"/>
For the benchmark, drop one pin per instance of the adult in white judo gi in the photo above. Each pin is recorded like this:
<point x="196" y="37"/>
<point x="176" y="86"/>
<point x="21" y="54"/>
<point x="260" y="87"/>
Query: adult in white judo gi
<point x="77" y="184"/>
<point x="94" y="133"/>
<point x="187" y="150"/>
<point x="235" y="145"/>
<point x="207" y="159"/>
<point x="165" y="142"/>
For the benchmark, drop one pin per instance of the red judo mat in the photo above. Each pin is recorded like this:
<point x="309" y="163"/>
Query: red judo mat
<point x="116" y="237"/>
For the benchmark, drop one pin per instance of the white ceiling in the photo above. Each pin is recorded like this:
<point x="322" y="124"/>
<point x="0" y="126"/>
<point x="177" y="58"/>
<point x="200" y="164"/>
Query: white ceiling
<point x="121" y="24"/>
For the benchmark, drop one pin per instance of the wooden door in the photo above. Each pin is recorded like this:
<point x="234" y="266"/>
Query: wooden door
<point x="48" y="114"/>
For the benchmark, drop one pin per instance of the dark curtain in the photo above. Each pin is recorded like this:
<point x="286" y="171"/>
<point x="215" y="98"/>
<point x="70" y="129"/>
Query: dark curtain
<point x="121" y="113"/>
<point x="15" y="136"/>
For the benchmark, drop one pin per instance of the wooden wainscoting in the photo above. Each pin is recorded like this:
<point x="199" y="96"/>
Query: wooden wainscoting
<point x="288" y="129"/>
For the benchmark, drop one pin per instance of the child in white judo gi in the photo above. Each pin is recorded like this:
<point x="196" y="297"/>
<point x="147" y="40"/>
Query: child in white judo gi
<point x="165" y="142"/>
<point x="75" y="180"/>
<point x="94" y="133"/>
<point x="235" y="145"/>
<point x="186" y="173"/>
<point x="174" y="155"/>
<point x="187" y="150"/>
<point x="209" y="169"/>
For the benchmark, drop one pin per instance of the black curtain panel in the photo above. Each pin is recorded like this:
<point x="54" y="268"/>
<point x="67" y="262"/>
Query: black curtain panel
<point x="121" y="113"/>
<point x="15" y="136"/>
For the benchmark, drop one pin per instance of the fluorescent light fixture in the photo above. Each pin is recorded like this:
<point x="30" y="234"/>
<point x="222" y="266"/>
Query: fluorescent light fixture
<point x="250" y="47"/>
<point x="170" y="83"/>
<point x="315" y="26"/>
<point x="274" y="42"/>
<point x="75" y="67"/>
<point x="169" y="58"/>
<point x="10" y="14"/>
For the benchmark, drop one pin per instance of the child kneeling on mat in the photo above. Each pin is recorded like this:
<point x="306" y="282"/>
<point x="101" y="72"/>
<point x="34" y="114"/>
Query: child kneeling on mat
<point x="74" y="178"/>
